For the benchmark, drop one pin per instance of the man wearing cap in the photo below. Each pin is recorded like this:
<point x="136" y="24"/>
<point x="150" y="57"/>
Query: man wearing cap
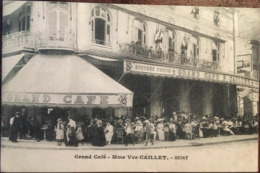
<point x="14" y="125"/>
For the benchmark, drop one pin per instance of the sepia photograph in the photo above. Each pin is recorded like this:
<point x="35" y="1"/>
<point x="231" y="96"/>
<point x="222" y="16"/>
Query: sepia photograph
<point x="109" y="87"/>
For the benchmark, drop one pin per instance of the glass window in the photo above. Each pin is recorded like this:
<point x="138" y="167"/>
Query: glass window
<point x="101" y="26"/>
<point x="139" y="34"/>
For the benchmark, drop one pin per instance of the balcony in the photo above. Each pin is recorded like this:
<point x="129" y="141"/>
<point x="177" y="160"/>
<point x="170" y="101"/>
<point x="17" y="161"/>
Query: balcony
<point x="139" y="51"/>
<point x="26" y="40"/>
<point x="59" y="40"/>
<point x="19" y="41"/>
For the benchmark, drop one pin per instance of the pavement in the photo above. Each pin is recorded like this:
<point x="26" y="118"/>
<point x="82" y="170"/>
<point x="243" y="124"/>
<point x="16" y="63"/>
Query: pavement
<point x="52" y="145"/>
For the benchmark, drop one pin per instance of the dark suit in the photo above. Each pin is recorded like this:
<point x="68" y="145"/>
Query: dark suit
<point x="15" y="129"/>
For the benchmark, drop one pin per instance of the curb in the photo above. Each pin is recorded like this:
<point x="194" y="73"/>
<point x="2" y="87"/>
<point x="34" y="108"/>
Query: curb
<point x="195" y="144"/>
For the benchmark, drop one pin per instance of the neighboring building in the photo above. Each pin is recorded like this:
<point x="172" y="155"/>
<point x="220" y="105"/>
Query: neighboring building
<point x="174" y="58"/>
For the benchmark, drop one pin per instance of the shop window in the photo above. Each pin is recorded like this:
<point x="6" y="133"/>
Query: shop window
<point x="215" y="51"/>
<point x="216" y="18"/>
<point x="139" y="32"/>
<point x="196" y="12"/>
<point x="101" y="27"/>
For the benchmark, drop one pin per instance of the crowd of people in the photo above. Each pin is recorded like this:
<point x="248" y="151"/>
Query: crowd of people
<point x="101" y="132"/>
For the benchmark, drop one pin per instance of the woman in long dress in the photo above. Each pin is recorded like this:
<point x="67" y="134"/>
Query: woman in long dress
<point x="109" y="131"/>
<point x="99" y="136"/>
<point x="160" y="131"/>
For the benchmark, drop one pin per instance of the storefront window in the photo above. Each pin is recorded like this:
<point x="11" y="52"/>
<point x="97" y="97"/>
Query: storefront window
<point x="101" y="26"/>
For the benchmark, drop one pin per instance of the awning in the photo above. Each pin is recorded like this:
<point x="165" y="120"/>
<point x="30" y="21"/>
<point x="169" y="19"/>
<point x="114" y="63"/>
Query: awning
<point x="103" y="58"/>
<point x="66" y="81"/>
<point x="8" y="64"/>
<point x="12" y="6"/>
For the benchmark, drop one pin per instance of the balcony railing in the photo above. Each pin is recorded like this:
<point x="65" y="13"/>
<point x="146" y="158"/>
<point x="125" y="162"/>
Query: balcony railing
<point x="136" y="50"/>
<point x="28" y="40"/>
<point x="57" y="40"/>
<point x="19" y="40"/>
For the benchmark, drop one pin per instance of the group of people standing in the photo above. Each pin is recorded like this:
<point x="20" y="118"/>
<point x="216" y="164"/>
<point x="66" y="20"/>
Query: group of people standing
<point x="101" y="132"/>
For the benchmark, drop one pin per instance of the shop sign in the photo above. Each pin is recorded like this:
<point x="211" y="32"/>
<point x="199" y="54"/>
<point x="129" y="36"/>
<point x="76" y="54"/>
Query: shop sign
<point x="135" y="67"/>
<point x="124" y="100"/>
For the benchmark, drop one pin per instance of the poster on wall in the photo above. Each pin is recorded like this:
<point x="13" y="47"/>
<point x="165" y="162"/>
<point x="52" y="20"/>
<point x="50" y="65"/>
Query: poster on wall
<point x="115" y="87"/>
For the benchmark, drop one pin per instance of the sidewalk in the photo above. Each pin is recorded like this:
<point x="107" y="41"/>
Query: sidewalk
<point x="45" y="145"/>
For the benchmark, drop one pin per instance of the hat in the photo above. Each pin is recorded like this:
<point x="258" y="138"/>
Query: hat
<point x="59" y="119"/>
<point x="17" y="113"/>
<point x="127" y="120"/>
<point x="136" y="118"/>
<point x="146" y="121"/>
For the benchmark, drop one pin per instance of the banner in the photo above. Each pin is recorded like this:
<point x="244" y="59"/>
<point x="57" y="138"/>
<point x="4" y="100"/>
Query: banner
<point x="73" y="100"/>
<point x="174" y="72"/>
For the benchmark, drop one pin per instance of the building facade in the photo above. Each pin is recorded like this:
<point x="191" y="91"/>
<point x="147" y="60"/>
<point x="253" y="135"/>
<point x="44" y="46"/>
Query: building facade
<point x="173" y="58"/>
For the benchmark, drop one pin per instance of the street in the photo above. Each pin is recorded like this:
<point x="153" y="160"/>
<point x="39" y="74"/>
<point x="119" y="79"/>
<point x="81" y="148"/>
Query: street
<point x="231" y="157"/>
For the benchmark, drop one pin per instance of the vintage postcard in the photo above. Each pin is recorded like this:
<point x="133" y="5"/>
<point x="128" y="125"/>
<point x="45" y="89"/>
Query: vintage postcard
<point x="94" y="87"/>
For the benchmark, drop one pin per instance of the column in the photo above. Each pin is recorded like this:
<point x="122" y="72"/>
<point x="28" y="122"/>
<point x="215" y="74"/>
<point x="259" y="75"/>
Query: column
<point x="156" y="94"/>
<point x="226" y="100"/>
<point x="184" y="96"/>
<point x="207" y="99"/>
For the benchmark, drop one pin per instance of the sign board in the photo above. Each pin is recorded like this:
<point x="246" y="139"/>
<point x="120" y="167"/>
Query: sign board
<point x="73" y="100"/>
<point x="174" y="72"/>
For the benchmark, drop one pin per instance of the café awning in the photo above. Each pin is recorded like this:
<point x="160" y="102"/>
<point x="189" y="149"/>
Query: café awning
<point x="65" y="81"/>
<point x="9" y="63"/>
<point x="12" y="7"/>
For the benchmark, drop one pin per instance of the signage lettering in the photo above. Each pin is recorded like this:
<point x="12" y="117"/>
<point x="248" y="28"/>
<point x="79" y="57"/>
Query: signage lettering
<point x="79" y="100"/>
<point x="103" y="99"/>
<point x="67" y="99"/>
<point x="190" y="74"/>
<point x="91" y="99"/>
<point x="61" y="99"/>
<point x="35" y="98"/>
<point x="46" y="98"/>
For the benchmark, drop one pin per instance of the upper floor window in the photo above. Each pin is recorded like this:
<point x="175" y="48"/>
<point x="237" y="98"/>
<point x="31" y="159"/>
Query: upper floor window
<point x="216" y="18"/>
<point x="101" y="26"/>
<point x="171" y="41"/>
<point x="58" y="21"/>
<point x="196" y="12"/>
<point x="215" y="51"/>
<point x="195" y="45"/>
<point x="139" y="33"/>
<point x="24" y="23"/>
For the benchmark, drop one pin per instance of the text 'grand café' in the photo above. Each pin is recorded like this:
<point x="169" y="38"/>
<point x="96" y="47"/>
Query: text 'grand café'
<point x="117" y="60"/>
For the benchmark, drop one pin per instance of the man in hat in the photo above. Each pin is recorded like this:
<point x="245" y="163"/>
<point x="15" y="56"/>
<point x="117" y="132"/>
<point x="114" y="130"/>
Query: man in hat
<point x="14" y="125"/>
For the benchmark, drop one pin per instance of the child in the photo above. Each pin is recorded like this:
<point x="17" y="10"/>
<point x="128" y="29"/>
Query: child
<point x="59" y="131"/>
<point x="79" y="134"/>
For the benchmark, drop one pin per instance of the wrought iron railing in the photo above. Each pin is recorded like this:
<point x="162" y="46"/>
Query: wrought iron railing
<point x="28" y="40"/>
<point x="19" y="40"/>
<point x="57" y="40"/>
<point x="136" y="50"/>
